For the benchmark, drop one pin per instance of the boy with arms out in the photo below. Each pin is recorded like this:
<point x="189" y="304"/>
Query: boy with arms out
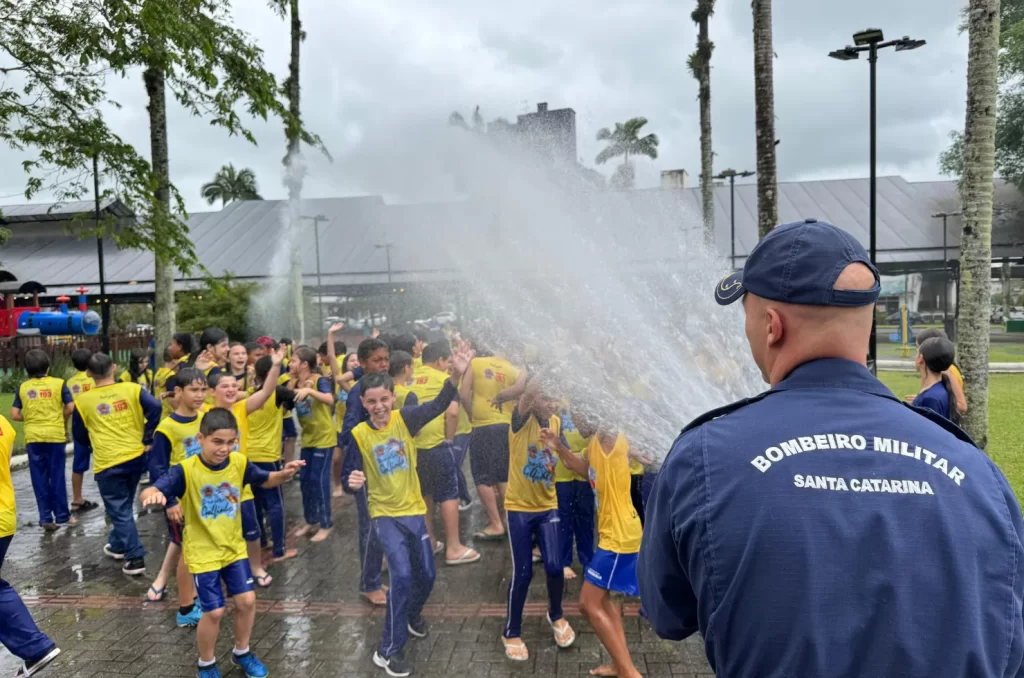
<point x="209" y="486"/>
<point x="382" y="457"/>
<point x="44" y="403"/>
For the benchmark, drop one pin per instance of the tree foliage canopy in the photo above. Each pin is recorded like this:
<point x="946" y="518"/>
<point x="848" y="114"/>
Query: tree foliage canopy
<point x="230" y="184"/>
<point x="220" y="302"/>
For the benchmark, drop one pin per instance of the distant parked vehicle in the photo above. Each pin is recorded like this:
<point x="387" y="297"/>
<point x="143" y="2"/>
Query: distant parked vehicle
<point x="894" y="318"/>
<point x="445" y="318"/>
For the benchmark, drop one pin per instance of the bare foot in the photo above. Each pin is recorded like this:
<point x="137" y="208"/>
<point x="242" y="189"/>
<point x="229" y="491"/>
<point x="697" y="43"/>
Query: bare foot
<point x="321" y="534"/>
<point x="290" y="553"/>
<point x="304" y="530"/>
<point x="338" y="492"/>
<point x="378" y="597"/>
<point x="604" y="670"/>
<point x="568" y="574"/>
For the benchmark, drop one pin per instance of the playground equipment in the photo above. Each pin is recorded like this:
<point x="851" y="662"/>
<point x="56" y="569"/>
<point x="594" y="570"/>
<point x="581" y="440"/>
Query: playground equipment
<point x="59" y="323"/>
<point x="904" y="333"/>
<point x="10" y="290"/>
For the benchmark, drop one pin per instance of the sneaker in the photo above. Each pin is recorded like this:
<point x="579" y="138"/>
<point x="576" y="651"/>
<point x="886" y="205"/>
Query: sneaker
<point x="32" y="668"/>
<point x="210" y="671"/>
<point x="250" y="665"/>
<point x="112" y="553"/>
<point x="395" y="665"/>
<point x="418" y="627"/>
<point x="144" y="479"/>
<point x="190" y="619"/>
<point x="465" y="505"/>
<point x="134" y="567"/>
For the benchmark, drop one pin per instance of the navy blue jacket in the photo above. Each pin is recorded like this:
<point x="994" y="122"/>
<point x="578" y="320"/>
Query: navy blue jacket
<point x="824" y="528"/>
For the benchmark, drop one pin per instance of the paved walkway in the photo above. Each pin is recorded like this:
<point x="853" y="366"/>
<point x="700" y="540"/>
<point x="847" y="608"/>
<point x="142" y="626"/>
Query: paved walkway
<point x="310" y="622"/>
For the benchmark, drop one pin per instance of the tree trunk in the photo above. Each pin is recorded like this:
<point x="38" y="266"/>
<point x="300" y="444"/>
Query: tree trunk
<point x="296" y="173"/>
<point x="976" y="189"/>
<point x="163" y="274"/>
<point x="764" y="116"/>
<point x="706" y="167"/>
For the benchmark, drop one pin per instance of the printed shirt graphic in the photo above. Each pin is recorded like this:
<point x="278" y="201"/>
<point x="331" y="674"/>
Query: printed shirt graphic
<point x="389" y="463"/>
<point x="113" y="416"/>
<point x="531" y="471"/>
<point x="42" y="405"/>
<point x="182" y="437"/>
<point x="490" y="377"/>
<point x="8" y="509"/>
<point x="427" y="382"/>
<point x="317" y="419"/>
<point x="618" y="525"/>
<point x="79" y="383"/>
<point x="212" y="537"/>
<point x="577" y="444"/>
<point x="340" y="405"/>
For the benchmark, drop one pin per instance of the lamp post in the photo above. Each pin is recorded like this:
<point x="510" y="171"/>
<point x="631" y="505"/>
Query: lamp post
<point x="945" y="269"/>
<point x="731" y="175"/>
<point x="104" y="306"/>
<point x="387" y="249"/>
<point x="870" y="41"/>
<point x="319" y="290"/>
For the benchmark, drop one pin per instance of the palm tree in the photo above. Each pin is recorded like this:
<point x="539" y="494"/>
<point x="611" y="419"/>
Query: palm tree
<point x="456" y="120"/>
<point x="976" y="189"/>
<point x="700" y="67"/>
<point x="764" y="119"/>
<point x="229" y="185"/>
<point x="625" y="140"/>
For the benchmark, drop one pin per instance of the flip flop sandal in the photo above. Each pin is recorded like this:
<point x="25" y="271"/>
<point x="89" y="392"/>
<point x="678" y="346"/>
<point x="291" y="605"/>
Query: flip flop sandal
<point x="366" y="597"/>
<point x="438" y="547"/>
<point x="265" y="581"/>
<point x="160" y="594"/>
<point x="84" y="506"/>
<point x="516" y="652"/>
<point x="565" y="636"/>
<point x="465" y="558"/>
<point x="484" y="536"/>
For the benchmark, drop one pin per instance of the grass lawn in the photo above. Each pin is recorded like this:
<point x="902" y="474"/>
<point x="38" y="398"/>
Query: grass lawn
<point x="998" y="352"/>
<point x="5" y="409"/>
<point x="1005" y="420"/>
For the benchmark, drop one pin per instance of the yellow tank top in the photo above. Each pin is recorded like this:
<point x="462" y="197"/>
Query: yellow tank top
<point x="955" y="371"/>
<point x="182" y="438"/>
<point x="317" y="422"/>
<point x="401" y="395"/>
<point x="531" y="469"/>
<point x="618" y="525"/>
<point x="159" y="387"/>
<point x="265" y="428"/>
<point x="577" y="443"/>
<point x="490" y="377"/>
<point x="43" y="410"/>
<point x="79" y="383"/>
<point x="8" y="509"/>
<point x="113" y="416"/>
<point x="212" y="538"/>
<point x="389" y="463"/>
<point x="426" y="384"/>
<point x="417" y="363"/>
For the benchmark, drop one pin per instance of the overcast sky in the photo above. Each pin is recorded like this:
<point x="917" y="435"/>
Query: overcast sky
<point x="375" y="76"/>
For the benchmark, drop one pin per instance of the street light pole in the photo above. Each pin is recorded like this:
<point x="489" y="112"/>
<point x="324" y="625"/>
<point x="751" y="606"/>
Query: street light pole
<point x="731" y="175"/>
<point x="870" y="41"/>
<point x="104" y="306"/>
<point x="387" y="250"/>
<point x="945" y="267"/>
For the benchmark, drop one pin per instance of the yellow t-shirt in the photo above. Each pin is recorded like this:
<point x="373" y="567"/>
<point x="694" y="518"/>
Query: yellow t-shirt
<point x="490" y="377"/>
<point x="182" y="437"/>
<point x="283" y="381"/>
<point x="113" y="416"/>
<point x="239" y="409"/>
<point x="389" y="463"/>
<point x="618" y="525"/>
<point x="79" y="383"/>
<point x="464" y="426"/>
<point x="955" y="371"/>
<point x="317" y="421"/>
<point x="426" y="384"/>
<point x="401" y="395"/>
<point x="531" y="469"/>
<point x="577" y="443"/>
<point x="417" y="363"/>
<point x="145" y="379"/>
<point x="159" y="386"/>
<point x="265" y="428"/>
<point x="212" y="538"/>
<point x="8" y="508"/>
<point x="43" y="409"/>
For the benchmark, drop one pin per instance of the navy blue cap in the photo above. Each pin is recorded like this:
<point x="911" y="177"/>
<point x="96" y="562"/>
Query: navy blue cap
<point x="799" y="263"/>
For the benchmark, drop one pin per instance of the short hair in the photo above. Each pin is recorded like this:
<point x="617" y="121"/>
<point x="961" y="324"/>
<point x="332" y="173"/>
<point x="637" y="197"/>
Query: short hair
<point x="185" y="340"/>
<point x="80" y="359"/>
<point x="184" y="377"/>
<point x="399" y="361"/>
<point x="339" y="348"/>
<point x="438" y="350"/>
<point x="37" y="363"/>
<point x="211" y="336"/>
<point x="307" y="355"/>
<point x="929" y="333"/>
<point x="422" y="336"/>
<point x="167" y="355"/>
<point x="379" y="380"/>
<point x="404" y="342"/>
<point x="387" y="338"/>
<point x="262" y="367"/>
<point x="938" y="353"/>
<point x="100" y="365"/>
<point x="236" y="343"/>
<point x="215" y="378"/>
<point x="285" y="340"/>
<point x="368" y="347"/>
<point x="217" y="419"/>
<point x="252" y="346"/>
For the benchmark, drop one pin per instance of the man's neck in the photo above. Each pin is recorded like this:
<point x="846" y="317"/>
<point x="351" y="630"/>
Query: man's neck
<point x="929" y="379"/>
<point x="784" y="365"/>
<point x="186" y="413"/>
<point x="105" y="381"/>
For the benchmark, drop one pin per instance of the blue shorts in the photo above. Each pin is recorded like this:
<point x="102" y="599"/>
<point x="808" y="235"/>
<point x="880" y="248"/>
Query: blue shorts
<point x="237" y="578"/>
<point x="288" y="430"/>
<point x="436" y="468"/>
<point x="250" y="524"/>
<point x="488" y="454"/>
<point x="82" y="459"/>
<point x="613" y="572"/>
<point x="173" y="531"/>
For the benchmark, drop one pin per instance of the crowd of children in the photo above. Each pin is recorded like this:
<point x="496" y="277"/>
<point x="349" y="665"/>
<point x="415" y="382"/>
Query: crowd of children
<point x="215" y="428"/>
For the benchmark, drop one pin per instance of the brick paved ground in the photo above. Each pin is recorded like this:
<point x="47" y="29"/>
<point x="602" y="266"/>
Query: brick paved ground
<point x="310" y="622"/>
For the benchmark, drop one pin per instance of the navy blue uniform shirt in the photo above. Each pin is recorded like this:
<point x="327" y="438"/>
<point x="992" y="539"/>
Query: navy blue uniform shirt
<point x="826" y="529"/>
<point x="935" y="398"/>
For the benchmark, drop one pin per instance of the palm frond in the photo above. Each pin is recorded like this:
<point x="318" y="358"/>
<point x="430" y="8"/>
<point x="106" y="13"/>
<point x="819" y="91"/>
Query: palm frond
<point x="603" y="134"/>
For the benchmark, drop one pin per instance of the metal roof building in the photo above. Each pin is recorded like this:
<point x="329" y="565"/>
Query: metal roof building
<point x="245" y="237"/>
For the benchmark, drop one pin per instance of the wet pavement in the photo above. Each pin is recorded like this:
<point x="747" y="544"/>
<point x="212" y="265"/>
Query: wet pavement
<point x="310" y="622"/>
